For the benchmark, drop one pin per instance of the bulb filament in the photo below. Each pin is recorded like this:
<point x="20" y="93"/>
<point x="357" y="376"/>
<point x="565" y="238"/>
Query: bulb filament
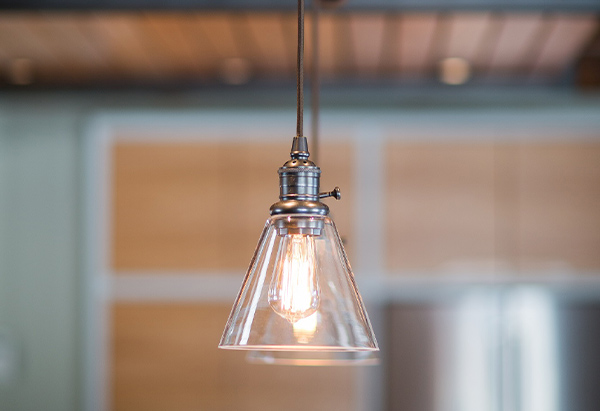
<point x="294" y="291"/>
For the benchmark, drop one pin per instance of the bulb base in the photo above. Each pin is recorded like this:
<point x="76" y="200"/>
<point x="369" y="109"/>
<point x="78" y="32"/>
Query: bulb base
<point x="304" y="225"/>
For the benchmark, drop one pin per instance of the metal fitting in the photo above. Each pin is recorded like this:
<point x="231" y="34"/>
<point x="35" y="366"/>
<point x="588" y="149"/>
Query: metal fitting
<point x="299" y="183"/>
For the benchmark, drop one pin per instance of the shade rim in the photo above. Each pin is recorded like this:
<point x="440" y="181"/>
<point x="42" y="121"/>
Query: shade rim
<point x="327" y="348"/>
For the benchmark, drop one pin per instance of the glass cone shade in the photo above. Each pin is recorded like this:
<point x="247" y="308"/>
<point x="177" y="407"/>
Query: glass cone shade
<point x="299" y="293"/>
<point x="313" y="358"/>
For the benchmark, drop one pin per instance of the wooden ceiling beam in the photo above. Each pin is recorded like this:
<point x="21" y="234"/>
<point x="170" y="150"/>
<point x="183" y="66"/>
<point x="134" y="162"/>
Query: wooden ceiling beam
<point x="278" y="5"/>
<point x="587" y="66"/>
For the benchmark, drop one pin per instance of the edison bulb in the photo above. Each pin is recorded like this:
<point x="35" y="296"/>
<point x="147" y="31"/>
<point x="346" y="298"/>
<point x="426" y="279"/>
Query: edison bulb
<point x="294" y="291"/>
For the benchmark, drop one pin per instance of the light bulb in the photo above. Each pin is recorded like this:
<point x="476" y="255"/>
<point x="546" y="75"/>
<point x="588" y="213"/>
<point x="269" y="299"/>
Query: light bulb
<point x="294" y="292"/>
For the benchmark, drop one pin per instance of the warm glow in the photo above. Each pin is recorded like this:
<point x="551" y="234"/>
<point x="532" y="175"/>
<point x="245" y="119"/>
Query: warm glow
<point x="294" y="293"/>
<point x="304" y="329"/>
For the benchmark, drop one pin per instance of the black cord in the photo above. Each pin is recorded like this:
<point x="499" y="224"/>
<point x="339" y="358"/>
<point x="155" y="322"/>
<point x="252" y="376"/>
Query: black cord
<point x="315" y="82"/>
<point x="300" y="71"/>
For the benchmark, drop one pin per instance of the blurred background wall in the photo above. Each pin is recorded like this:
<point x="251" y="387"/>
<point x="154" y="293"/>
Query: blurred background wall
<point x="40" y="257"/>
<point x="472" y="219"/>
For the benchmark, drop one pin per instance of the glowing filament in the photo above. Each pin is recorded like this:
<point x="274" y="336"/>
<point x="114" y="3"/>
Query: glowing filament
<point x="294" y="292"/>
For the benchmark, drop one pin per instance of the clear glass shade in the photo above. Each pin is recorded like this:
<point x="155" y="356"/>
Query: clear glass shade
<point x="313" y="358"/>
<point x="299" y="293"/>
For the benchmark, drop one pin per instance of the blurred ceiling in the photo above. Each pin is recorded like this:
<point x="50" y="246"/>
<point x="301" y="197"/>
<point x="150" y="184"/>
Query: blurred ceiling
<point x="280" y="5"/>
<point x="95" y="48"/>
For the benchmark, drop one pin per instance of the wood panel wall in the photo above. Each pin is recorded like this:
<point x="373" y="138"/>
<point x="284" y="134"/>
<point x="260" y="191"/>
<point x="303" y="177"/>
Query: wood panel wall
<point x="439" y="205"/>
<point x="201" y="206"/>
<point x="559" y="206"/>
<point x="165" y="357"/>
<point x="529" y="207"/>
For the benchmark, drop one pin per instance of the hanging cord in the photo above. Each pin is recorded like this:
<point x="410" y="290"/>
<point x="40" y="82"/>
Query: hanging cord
<point x="300" y="71"/>
<point x="315" y="82"/>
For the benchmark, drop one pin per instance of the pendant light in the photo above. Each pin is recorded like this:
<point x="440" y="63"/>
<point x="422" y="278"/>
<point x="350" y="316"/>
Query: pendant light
<point x="299" y="293"/>
<point x="314" y="358"/>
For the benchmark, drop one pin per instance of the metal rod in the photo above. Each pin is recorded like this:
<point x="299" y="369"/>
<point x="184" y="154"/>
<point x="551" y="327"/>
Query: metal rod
<point x="315" y="82"/>
<point x="300" y="71"/>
